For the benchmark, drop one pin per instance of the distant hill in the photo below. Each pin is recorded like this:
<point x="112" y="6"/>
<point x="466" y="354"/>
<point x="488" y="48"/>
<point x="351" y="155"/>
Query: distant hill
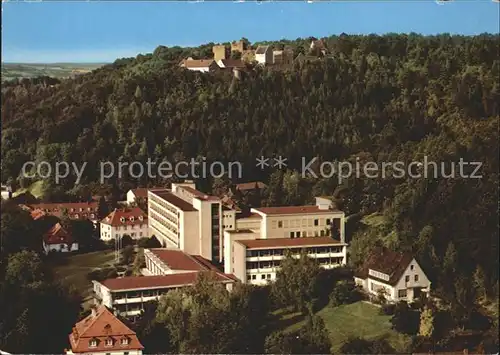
<point x="12" y="71"/>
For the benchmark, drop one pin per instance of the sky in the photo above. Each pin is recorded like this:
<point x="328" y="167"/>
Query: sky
<point x="98" y="31"/>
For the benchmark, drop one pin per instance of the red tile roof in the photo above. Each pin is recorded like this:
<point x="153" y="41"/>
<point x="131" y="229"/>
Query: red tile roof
<point x="101" y="326"/>
<point x="178" y="260"/>
<point x="294" y="210"/>
<point x="385" y="261"/>
<point x="37" y="214"/>
<point x="288" y="242"/>
<point x="57" y="235"/>
<point x="160" y="281"/>
<point x="174" y="200"/>
<point x="73" y="209"/>
<point x="250" y="186"/>
<point x="126" y="216"/>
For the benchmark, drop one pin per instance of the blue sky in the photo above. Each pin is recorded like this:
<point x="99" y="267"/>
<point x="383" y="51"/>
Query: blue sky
<point x="47" y="32"/>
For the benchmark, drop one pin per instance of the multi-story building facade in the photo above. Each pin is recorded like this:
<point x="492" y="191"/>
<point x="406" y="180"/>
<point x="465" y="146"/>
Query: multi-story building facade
<point x="254" y="250"/>
<point x="125" y="221"/>
<point x="103" y="333"/>
<point x="166" y="269"/>
<point x="256" y="261"/>
<point x="187" y="219"/>
<point x="302" y="221"/>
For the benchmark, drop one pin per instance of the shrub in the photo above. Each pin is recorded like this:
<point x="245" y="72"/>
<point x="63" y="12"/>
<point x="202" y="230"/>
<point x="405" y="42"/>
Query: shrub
<point x="149" y="242"/>
<point x="94" y="275"/>
<point x="388" y="309"/>
<point x="111" y="274"/>
<point x="344" y="292"/>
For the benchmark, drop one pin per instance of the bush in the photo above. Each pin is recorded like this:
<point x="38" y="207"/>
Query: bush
<point x="364" y="346"/>
<point x="94" y="275"/>
<point x="127" y="255"/>
<point x="405" y="320"/>
<point x="388" y="309"/>
<point x="111" y="274"/>
<point x="344" y="292"/>
<point x="102" y="274"/>
<point x="149" y="243"/>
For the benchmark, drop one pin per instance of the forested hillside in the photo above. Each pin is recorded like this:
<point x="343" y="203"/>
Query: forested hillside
<point x="377" y="98"/>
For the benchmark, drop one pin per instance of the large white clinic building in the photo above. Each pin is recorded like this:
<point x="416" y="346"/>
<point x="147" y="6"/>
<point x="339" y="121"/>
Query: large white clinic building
<point x="187" y="219"/>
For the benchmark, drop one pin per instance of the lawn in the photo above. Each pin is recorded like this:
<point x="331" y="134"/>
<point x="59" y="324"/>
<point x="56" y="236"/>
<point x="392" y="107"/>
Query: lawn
<point x="359" y="319"/>
<point x="36" y="189"/>
<point x="73" y="272"/>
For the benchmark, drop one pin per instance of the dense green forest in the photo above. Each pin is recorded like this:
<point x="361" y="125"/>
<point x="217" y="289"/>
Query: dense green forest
<point x="374" y="98"/>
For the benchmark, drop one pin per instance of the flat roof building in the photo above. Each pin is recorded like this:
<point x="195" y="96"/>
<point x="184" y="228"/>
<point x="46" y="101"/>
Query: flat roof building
<point x="187" y="219"/>
<point x="256" y="261"/>
<point x="166" y="269"/>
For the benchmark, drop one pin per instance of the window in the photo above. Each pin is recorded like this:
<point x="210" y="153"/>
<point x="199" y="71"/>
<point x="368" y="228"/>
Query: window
<point x="125" y="341"/>
<point x="249" y="278"/>
<point x="416" y="278"/>
<point x="401" y="293"/>
<point x="263" y="277"/>
<point x="280" y="224"/>
<point x="407" y="278"/>
<point x="125" y="353"/>
<point x="268" y="276"/>
<point x="316" y="222"/>
<point x="328" y="221"/>
<point x="93" y="343"/>
<point x="411" y="267"/>
<point x="292" y="235"/>
<point x="297" y="234"/>
<point x="254" y="277"/>
<point x="109" y="342"/>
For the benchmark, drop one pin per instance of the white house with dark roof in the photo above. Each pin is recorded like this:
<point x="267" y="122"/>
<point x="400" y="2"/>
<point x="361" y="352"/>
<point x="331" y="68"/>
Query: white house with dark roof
<point x="125" y="221"/>
<point x="201" y="65"/>
<point x="399" y="275"/>
<point x="264" y="55"/>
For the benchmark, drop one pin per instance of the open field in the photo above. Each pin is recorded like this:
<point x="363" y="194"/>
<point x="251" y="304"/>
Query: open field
<point x="358" y="319"/>
<point x="73" y="272"/>
<point x="12" y="71"/>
